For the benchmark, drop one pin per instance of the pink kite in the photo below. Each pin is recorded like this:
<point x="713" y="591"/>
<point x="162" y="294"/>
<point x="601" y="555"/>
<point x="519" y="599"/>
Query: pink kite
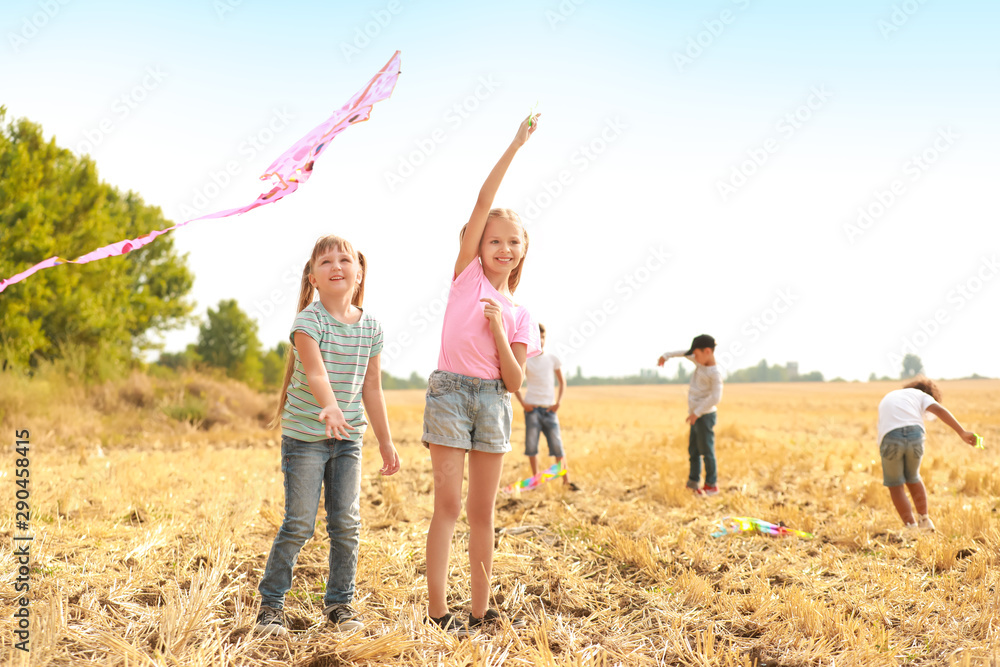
<point x="286" y="174"/>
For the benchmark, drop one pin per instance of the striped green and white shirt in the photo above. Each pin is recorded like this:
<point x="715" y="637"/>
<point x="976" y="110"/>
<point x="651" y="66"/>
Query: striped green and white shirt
<point x="346" y="349"/>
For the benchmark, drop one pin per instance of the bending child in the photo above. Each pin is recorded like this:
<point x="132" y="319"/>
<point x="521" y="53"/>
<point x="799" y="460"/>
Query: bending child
<point x="704" y="394"/>
<point x="901" y="444"/>
<point x="333" y="368"/>
<point x="485" y="340"/>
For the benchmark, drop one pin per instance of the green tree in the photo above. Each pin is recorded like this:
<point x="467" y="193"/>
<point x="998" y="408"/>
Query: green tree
<point x="273" y="365"/>
<point x="228" y="340"/>
<point x="52" y="203"/>
<point x="912" y="366"/>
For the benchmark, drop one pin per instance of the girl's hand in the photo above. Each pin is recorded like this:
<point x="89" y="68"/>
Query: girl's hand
<point x="390" y="459"/>
<point x="493" y="312"/>
<point x="336" y="425"/>
<point x="526" y="129"/>
<point x="969" y="438"/>
<point x="691" y="419"/>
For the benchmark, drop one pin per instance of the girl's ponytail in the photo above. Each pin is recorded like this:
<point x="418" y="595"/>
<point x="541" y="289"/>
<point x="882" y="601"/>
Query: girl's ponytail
<point x="359" y="291"/>
<point x="305" y="298"/>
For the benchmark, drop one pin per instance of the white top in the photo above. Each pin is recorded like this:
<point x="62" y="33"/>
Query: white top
<point x="902" y="407"/>
<point x="705" y="390"/>
<point x="540" y="377"/>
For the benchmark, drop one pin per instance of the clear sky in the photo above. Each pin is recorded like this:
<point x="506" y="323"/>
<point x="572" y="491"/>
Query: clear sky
<point x="810" y="182"/>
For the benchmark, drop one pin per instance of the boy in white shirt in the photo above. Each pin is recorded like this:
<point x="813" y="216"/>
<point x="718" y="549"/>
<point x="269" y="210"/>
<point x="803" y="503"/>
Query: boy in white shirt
<point x="540" y="405"/>
<point x="901" y="444"/>
<point x="704" y="394"/>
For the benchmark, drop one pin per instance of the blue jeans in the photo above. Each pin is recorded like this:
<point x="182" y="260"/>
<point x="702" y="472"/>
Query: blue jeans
<point x="310" y="467"/>
<point x="701" y="445"/>
<point x="542" y="420"/>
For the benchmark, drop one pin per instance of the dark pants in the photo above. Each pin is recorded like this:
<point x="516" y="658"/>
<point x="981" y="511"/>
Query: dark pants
<point x="701" y="445"/>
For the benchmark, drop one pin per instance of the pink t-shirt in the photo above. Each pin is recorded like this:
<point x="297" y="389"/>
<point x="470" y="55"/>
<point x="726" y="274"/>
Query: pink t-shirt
<point x="467" y="346"/>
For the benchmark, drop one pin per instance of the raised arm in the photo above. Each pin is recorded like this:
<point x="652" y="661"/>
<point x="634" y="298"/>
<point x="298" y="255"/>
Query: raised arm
<point x="670" y="355"/>
<point x="942" y="413"/>
<point x="469" y="249"/>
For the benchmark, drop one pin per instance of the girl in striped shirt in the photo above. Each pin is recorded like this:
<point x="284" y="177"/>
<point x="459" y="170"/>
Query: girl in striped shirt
<point x="333" y="375"/>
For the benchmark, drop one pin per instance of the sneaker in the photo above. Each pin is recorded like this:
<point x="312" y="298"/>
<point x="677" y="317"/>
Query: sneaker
<point x="271" y="621"/>
<point x="449" y="624"/>
<point x="924" y="523"/>
<point x="344" y="617"/>
<point x="572" y="487"/>
<point x="492" y="616"/>
<point x="710" y="490"/>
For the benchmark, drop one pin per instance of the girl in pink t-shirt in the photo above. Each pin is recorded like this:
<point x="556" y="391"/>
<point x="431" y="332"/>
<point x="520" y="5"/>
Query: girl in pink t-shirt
<point x="485" y="341"/>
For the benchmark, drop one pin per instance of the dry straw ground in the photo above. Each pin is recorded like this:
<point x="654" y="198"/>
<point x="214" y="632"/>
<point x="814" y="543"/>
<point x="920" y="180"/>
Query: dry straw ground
<point x="151" y="533"/>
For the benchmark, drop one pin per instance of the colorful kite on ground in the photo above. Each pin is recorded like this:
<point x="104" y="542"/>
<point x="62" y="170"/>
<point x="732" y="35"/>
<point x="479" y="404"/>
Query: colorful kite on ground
<point x="286" y="174"/>
<point x="531" y="482"/>
<point x="745" y="524"/>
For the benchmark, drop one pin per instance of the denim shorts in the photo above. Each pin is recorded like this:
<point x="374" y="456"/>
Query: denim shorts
<point x="467" y="413"/>
<point x="901" y="450"/>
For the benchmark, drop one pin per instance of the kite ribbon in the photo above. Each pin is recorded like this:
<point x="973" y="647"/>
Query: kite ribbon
<point x="286" y="174"/>
<point x="529" y="483"/>
<point x="741" y="524"/>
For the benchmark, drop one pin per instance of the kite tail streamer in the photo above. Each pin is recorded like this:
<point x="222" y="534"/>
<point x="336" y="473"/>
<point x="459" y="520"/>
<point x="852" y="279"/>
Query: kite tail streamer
<point x="528" y="483"/>
<point x="745" y="524"/>
<point x="287" y="173"/>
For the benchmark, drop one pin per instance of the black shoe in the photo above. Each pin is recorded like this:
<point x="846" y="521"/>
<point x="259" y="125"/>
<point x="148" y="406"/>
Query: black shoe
<point x="572" y="487"/>
<point x="449" y="624"/>
<point x="344" y="617"/>
<point x="491" y="617"/>
<point x="271" y="621"/>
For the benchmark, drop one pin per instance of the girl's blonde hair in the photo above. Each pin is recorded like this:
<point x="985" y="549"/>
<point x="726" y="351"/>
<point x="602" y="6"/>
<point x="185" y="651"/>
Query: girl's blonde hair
<point x="508" y="214"/>
<point x="306" y="291"/>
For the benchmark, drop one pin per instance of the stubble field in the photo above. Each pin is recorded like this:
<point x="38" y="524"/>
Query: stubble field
<point x="150" y="539"/>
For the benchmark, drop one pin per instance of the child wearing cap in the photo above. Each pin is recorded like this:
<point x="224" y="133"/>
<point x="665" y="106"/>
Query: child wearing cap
<point x="704" y="395"/>
<point x="901" y="444"/>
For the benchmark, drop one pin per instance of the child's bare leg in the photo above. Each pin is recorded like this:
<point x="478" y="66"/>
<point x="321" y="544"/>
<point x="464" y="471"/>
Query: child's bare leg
<point x="484" y="481"/>
<point x="919" y="494"/>
<point x="902" y="503"/>
<point x="448" y="464"/>
<point x="533" y="460"/>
